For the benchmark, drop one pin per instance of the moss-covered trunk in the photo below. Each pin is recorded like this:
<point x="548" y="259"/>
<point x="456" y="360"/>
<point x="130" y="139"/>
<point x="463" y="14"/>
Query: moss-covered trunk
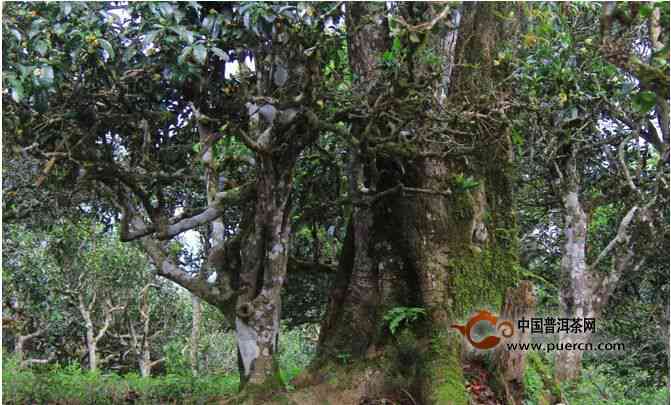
<point x="436" y="231"/>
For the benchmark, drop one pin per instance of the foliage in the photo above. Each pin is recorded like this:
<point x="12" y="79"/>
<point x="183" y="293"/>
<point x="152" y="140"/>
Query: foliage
<point x="463" y="183"/>
<point x="99" y="111"/>
<point x="597" y="385"/>
<point x="398" y="316"/>
<point x="71" y="384"/>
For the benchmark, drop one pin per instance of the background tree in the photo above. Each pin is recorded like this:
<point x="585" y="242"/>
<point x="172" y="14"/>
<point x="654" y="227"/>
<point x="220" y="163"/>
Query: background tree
<point x="586" y="154"/>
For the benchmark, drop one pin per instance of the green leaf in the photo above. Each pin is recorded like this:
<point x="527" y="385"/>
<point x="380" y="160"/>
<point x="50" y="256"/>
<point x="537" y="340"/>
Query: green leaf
<point x="414" y="38"/>
<point x="645" y="11"/>
<point x="166" y="9"/>
<point x="644" y="101"/>
<point x="396" y="45"/>
<point x="107" y="47"/>
<point x="41" y="47"/>
<point x="47" y="75"/>
<point x="17" y="92"/>
<point x="516" y="137"/>
<point x="129" y="53"/>
<point x="207" y="23"/>
<point x="221" y="54"/>
<point x="200" y="54"/>
<point x="184" y="55"/>
<point x="150" y="37"/>
<point x="16" y="33"/>
<point x="66" y="8"/>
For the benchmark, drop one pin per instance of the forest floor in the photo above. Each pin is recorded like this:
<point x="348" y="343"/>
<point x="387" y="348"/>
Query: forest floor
<point x="478" y="380"/>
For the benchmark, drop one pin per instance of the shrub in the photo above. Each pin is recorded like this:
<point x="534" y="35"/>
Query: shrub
<point x="598" y="385"/>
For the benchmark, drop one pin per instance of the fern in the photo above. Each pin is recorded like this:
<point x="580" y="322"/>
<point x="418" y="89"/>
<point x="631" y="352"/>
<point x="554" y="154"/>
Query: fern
<point x="398" y="315"/>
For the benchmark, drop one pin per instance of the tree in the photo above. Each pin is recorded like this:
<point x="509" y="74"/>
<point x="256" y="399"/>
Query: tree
<point x="98" y="277"/>
<point x="141" y="337"/>
<point x="30" y="309"/>
<point x="125" y="92"/>
<point x="431" y="208"/>
<point x="584" y="140"/>
<point x="386" y="137"/>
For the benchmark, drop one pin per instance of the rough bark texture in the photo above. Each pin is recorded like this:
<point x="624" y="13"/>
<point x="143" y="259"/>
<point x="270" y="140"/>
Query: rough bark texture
<point x="415" y="239"/>
<point x="519" y="303"/>
<point x="351" y="319"/>
<point x="575" y="297"/>
<point x="265" y="235"/>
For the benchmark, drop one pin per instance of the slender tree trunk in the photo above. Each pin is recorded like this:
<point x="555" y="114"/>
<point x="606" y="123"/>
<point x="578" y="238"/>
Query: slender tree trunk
<point x="19" y="348"/>
<point x="195" y="333"/>
<point x="91" y="342"/>
<point x="93" y="336"/>
<point x="585" y="291"/>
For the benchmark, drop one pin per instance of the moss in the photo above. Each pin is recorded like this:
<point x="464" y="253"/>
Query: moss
<point x="479" y="279"/>
<point x="539" y="384"/>
<point x="272" y="388"/>
<point x="444" y="373"/>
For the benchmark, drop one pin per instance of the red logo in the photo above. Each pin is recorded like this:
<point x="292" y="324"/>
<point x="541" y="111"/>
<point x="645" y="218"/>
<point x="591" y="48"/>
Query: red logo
<point x="505" y="327"/>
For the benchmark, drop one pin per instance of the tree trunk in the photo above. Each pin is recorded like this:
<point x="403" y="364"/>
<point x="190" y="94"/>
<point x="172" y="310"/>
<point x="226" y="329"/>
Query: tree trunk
<point x="195" y="332"/>
<point x="19" y="348"/>
<point x="92" y="350"/>
<point x="417" y="237"/>
<point x="585" y="292"/>
<point x="92" y="338"/>
<point x="350" y="324"/>
<point x="264" y="263"/>
<point x="575" y="297"/>
<point x="519" y="304"/>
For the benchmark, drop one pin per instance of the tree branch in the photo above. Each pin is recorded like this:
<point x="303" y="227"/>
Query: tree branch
<point x="622" y="236"/>
<point x="180" y="224"/>
<point x="166" y="267"/>
<point x="108" y="319"/>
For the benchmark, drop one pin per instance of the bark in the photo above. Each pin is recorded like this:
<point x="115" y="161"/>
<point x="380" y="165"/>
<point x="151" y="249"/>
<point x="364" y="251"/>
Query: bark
<point x="519" y="303"/>
<point x="94" y="336"/>
<point x="195" y="333"/>
<point x="351" y="318"/>
<point x="585" y="292"/>
<point x="19" y="349"/>
<point x="264" y="263"/>
<point x="264" y="239"/>
<point x="140" y="341"/>
<point x="411" y="230"/>
<point x="575" y="297"/>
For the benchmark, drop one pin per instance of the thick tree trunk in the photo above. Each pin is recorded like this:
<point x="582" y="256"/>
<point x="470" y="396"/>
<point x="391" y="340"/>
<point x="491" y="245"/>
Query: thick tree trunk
<point x="415" y="239"/>
<point x="350" y="324"/>
<point x="575" y="297"/>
